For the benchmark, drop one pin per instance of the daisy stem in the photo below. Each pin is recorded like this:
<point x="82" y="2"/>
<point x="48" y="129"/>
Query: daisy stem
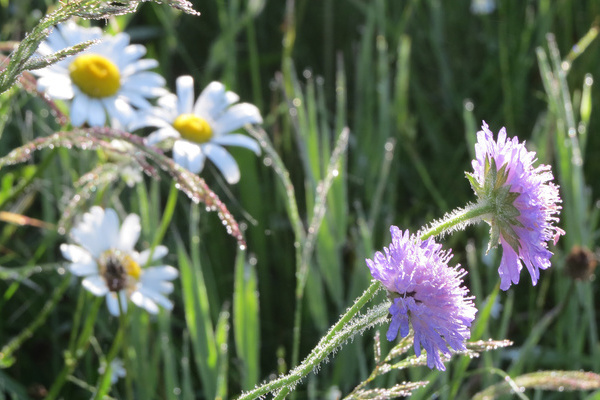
<point x="104" y="382"/>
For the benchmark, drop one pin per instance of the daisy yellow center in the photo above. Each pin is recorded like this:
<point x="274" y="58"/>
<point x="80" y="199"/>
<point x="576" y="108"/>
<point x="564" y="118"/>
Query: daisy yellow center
<point x="193" y="128"/>
<point x="95" y="75"/>
<point x="119" y="270"/>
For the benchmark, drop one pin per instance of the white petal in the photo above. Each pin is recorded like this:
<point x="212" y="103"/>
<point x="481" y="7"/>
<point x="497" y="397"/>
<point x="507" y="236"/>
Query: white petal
<point x="136" y="100"/>
<point x="159" y="273"/>
<point x="146" y="119"/>
<point x="56" y="86"/>
<point x="159" y="252"/>
<point x="110" y="227"/>
<point x="129" y="233"/>
<point x="214" y="100"/>
<point x="112" y="47"/>
<point x="139" y="65"/>
<point x="79" y="109"/>
<point x="74" y="34"/>
<point x="155" y="297"/>
<point x="185" y="94"/>
<point x="54" y="41"/>
<point x="161" y="134"/>
<point x="96" y="113"/>
<point x="148" y="84"/>
<point x="89" y="234"/>
<point x="168" y="104"/>
<point x="140" y="300"/>
<point x="130" y="54"/>
<point x="84" y="268"/>
<point x="235" y="117"/>
<point x="224" y="162"/>
<point x="96" y="285"/>
<point x="188" y="155"/>
<point x="112" y="302"/>
<point x="75" y="253"/>
<point x="161" y="287"/>
<point x="237" y="139"/>
<point x="119" y="109"/>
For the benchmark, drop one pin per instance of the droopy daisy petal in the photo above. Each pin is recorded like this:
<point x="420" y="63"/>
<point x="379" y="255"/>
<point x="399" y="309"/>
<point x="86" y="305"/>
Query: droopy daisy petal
<point x="426" y="294"/>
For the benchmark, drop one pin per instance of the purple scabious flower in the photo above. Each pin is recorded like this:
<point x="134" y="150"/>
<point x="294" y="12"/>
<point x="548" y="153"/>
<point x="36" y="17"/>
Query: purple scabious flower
<point x="426" y="293"/>
<point x="524" y="202"/>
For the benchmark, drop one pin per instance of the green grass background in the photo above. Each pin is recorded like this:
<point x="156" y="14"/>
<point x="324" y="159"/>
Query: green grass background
<point x="412" y="80"/>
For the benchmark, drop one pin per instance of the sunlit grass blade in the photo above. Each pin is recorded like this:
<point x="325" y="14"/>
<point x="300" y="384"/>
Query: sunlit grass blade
<point x="222" y="338"/>
<point x="246" y="321"/>
<point x="187" y="391"/>
<point x="169" y="355"/>
<point x="198" y="320"/>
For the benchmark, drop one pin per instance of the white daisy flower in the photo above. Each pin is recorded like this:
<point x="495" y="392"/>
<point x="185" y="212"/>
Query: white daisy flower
<point x="109" y="77"/>
<point x="104" y="256"/>
<point x="201" y="129"/>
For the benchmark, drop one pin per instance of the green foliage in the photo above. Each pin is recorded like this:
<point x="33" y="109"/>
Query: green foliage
<point x="370" y="110"/>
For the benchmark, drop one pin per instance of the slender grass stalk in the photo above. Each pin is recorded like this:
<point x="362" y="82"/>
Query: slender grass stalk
<point x="119" y="343"/>
<point x="308" y="243"/>
<point x="166" y="219"/>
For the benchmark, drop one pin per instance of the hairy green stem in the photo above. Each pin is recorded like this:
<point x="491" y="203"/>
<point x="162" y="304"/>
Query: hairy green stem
<point x="457" y="219"/>
<point x="325" y="346"/>
<point x="340" y="332"/>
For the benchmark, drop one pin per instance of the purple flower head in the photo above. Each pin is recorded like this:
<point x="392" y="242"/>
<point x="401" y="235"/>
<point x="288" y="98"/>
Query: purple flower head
<point x="426" y="293"/>
<point x="524" y="201"/>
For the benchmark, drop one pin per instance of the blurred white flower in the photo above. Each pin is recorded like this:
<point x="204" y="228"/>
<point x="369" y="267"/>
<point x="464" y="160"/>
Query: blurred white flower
<point x="482" y="7"/>
<point x="201" y="129"/>
<point x="117" y="370"/>
<point x="109" y="77"/>
<point x="105" y="258"/>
